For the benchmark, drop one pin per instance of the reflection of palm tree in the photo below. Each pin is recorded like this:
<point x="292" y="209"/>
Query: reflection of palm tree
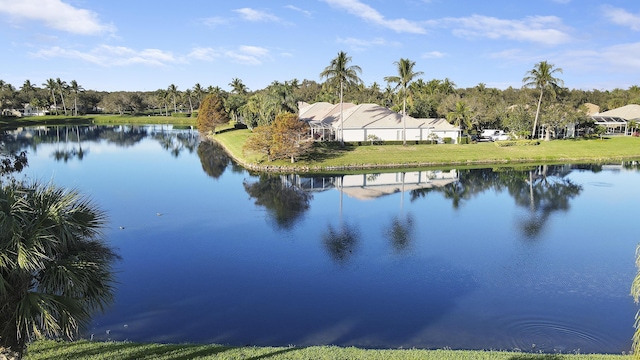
<point x="401" y="233"/>
<point x="341" y="243"/>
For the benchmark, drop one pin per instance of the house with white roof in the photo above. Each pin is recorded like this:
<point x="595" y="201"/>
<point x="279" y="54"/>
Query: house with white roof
<point x="367" y="122"/>
<point x="616" y="120"/>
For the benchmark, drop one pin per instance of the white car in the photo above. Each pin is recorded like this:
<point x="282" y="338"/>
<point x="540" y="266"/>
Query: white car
<point x="494" y="135"/>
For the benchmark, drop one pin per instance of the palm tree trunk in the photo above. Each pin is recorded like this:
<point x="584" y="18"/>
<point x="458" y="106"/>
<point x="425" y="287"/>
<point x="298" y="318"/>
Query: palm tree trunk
<point x="535" y="122"/>
<point x="404" y="117"/>
<point x="341" y="118"/>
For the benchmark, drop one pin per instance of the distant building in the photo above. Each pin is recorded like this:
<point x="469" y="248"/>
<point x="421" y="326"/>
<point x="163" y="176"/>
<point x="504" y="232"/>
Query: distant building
<point x="616" y="121"/>
<point x="371" y="122"/>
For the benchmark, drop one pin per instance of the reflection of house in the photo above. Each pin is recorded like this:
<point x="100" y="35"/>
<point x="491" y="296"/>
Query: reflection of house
<point x="367" y="122"/>
<point x="616" y="120"/>
<point x="371" y="186"/>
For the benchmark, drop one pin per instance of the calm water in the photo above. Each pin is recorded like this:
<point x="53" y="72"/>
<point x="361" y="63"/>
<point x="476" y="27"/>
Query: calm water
<point x="530" y="258"/>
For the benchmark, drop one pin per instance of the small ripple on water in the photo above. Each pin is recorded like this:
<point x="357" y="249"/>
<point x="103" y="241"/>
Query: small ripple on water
<point x="551" y="335"/>
<point x="600" y="184"/>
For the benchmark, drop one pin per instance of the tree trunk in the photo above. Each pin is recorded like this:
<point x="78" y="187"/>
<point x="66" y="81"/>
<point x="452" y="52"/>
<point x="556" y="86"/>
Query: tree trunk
<point x="404" y="117"/>
<point x="341" y="118"/>
<point x="535" y="122"/>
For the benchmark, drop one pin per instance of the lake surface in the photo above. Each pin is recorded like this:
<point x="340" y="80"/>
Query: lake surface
<point x="536" y="258"/>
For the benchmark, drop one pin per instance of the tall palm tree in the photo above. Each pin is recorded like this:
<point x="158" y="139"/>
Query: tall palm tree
<point x="542" y="77"/>
<point x="403" y="79"/>
<point x="198" y="91"/>
<point x="173" y="92"/>
<point x="237" y="87"/>
<point x="28" y="89"/>
<point x="188" y="94"/>
<point x="339" y="72"/>
<point x="460" y="116"/>
<point x="55" y="269"/>
<point x="75" y="88"/>
<point x="51" y="86"/>
<point x="62" y="86"/>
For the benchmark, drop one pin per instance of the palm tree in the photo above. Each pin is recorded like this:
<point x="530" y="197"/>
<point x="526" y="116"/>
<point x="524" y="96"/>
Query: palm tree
<point x="339" y="72"/>
<point x="198" y="91"/>
<point x="404" y="77"/>
<point x="237" y="87"/>
<point x="62" y="85"/>
<point x="542" y="77"/>
<point x="173" y="92"/>
<point x="55" y="269"/>
<point x="188" y="94"/>
<point x="51" y="86"/>
<point x="28" y="89"/>
<point x="460" y="116"/>
<point x="75" y="88"/>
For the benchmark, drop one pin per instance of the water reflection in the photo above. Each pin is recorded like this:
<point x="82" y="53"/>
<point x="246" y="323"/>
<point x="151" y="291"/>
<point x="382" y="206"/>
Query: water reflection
<point x="73" y="142"/>
<point x="285" y="202"/>
<point x="401" y="233"/>
<point x="341" y="243"/>
<point x="213" y="158"/>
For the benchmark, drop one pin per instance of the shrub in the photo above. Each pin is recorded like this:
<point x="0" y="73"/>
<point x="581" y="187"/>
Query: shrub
<point x="183" y="115"/>
<point x="447" y="140"/>
<point x="508" y="143"/>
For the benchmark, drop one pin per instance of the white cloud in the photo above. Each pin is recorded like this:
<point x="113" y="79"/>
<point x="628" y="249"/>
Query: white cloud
<point x="622" y="17"/>
<point x="295" y="8"/>
<point x="215" y="21"/>
<point x="57" y="15"/>
<point x="248" y="55"/>
<point x="433" y="55"/>
<point x="108" y="56"/>
<point x="362" y="44"/>
<point x="367" y="13"/>
<point x="256" y="15"/>
<point x="547" y="30"/>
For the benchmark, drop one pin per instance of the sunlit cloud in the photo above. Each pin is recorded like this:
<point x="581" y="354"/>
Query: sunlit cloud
<point x="369" y="14"/>
<point x="295" y="8"/>
<point x="247" y="55"/>
<point x="546" y="30"/>
<point x="363" y="44"/>
<point x="621" y="17"/>
<point x="433" y="55"/>
<point x="215" y="21"/>
<point x="56" y="15"/>
<point x="256" y="15"/>
<point x="108" y="56"/>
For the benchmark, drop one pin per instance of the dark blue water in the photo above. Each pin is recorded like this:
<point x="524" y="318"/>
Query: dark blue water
<point x="537" y="258"/>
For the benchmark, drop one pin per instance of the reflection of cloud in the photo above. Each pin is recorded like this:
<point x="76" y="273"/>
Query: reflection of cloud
<point x="367" y="13"/>
<point x="57" y="15"/>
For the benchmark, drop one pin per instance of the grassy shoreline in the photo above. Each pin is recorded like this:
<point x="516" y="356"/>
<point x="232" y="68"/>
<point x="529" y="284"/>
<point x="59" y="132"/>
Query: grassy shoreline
<point x="95" y="350"/>
<point x="332" y="158"/>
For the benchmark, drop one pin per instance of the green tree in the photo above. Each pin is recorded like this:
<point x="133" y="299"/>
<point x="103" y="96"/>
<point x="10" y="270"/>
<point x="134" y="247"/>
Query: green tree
<point x="542" y="77"/>
<point x="340" y="73"/>
<point x="76" y="89"/>
<point x="62" y="88"/>
<point x="173" y="93"/>
<point x="286" y="137"/>
<point x="211" y="114"/>
<point x="51" y="86"/>
<point x="460" y="116"/>
<point x="237" y="87"/>
<point x="55" y="270"/>
<point x="403" y="79"/>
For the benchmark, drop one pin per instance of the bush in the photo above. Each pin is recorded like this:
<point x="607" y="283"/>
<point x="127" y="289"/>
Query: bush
<point x="447" y="140"/>
<point x="507" y="143"/>
<point x="463" y="140"/>
<point x="183" y="115"/>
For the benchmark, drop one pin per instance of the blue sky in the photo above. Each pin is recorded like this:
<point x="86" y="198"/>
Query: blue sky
<point x="143" y="45"/>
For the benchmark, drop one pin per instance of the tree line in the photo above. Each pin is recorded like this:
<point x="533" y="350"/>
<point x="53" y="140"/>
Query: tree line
<point x="478" y="107"/>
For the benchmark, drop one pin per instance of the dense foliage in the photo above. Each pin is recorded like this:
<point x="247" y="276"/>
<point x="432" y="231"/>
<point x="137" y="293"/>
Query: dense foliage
<point x="211" y="114"/>
<point x="286" y="137"/>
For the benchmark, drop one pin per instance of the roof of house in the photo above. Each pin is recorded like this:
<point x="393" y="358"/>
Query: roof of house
<point x="627" y="112"/>
<point x="365" y="116"/>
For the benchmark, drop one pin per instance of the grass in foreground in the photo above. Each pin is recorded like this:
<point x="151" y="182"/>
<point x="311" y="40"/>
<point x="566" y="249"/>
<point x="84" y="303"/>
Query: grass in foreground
<point x="81" y="350"/>
<point x="331" y="157"/>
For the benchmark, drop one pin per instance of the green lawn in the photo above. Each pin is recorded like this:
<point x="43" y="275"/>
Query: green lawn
<point x="81" y="350"/>
<point x="332" y="157"/>
<point x="12" y="122"/>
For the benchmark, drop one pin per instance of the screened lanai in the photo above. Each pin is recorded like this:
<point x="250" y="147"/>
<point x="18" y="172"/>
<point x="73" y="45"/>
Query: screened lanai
<point x="614" y="125"/>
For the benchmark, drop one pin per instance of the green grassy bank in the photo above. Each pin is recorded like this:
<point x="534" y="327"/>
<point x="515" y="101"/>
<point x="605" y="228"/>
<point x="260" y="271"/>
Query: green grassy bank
<point x="81" y="350"/>
<point x="13" y="122"/>
<point x="326" y="157"/>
